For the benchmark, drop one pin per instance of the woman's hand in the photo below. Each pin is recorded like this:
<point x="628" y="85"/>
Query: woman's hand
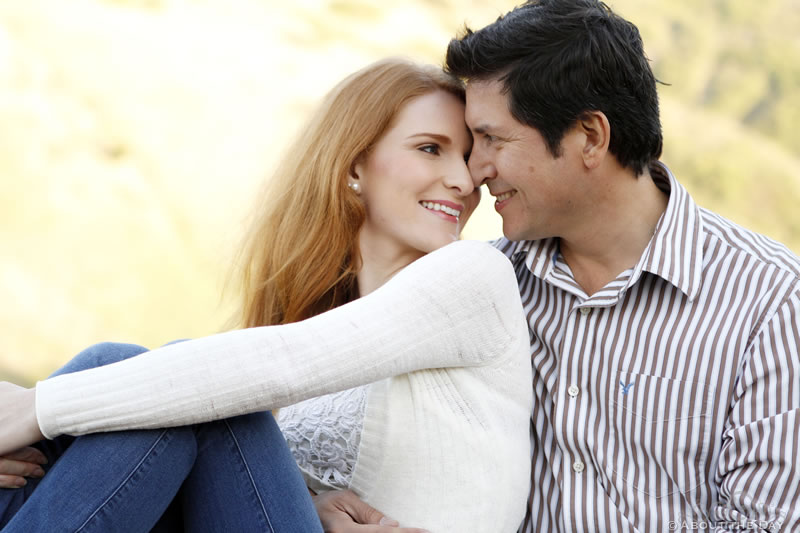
<point x="16" y="466"/>
<point x="18" y="424"/>
<point x="341" y="511"/>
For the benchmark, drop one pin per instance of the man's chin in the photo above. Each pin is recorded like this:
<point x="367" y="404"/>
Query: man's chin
<point x="513" y="233"/>
<point x="516" y="233"/>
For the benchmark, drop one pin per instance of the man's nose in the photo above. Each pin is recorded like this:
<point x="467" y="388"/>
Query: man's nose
<point x="481" y="167"/>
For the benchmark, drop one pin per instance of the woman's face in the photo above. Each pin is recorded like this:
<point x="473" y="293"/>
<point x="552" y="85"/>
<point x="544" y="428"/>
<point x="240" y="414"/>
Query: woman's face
<point x="415" y="183"/>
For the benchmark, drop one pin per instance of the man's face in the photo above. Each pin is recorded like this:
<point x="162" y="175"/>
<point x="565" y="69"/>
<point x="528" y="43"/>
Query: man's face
<point x="534" y="191"/>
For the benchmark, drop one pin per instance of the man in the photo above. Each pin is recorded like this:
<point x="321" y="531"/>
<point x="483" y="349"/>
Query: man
<point x="664" y="338"/>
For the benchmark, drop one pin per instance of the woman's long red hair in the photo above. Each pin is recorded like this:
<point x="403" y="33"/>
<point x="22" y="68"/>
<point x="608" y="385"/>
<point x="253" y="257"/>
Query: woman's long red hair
<point x="300" y="256"/>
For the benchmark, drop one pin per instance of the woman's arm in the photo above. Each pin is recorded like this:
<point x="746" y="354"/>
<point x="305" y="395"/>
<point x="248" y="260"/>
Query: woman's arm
<point x="458" y="306"/>
<point x="18" y="425"/>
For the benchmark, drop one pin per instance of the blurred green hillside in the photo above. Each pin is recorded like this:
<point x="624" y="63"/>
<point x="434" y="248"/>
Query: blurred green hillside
<point x="732" y="104"/>
<point x="134" y="133"/>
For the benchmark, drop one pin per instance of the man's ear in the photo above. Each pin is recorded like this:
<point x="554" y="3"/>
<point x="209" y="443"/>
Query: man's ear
<point x="597" y="134"/>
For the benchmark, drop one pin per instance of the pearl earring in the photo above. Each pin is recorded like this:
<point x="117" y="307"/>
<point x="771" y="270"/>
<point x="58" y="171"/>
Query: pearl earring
<point x="355" y="187"/>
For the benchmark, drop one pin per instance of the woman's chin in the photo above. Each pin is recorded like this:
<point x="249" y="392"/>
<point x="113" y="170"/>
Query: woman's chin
<point x="442" y="242"/>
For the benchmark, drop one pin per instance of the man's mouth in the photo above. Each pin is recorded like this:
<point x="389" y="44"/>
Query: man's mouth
<point x="500" y="198"/>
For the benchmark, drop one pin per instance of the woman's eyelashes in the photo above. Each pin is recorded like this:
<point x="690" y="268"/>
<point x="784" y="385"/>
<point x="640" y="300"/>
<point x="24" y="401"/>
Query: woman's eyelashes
<point x="431" y="148"/>
<point x="436" y="149"/>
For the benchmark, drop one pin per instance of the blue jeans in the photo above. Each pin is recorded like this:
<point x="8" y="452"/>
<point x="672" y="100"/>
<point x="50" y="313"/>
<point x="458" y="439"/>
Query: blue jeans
<point x="233" y="475"/>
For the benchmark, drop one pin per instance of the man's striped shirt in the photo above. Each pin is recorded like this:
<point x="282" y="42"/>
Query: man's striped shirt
<point x="670" y="399"/>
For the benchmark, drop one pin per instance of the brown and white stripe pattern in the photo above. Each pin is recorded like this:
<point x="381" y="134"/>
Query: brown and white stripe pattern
<point x="669" y="400"/>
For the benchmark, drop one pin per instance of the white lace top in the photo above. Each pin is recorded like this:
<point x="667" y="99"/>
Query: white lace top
<point x="324" y="434"/>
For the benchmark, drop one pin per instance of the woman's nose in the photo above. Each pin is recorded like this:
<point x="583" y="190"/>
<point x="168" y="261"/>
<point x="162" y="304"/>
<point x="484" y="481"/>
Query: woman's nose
<point x="459" y="178"/>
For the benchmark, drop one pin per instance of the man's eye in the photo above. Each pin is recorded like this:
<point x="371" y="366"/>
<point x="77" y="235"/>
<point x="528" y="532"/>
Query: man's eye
<point x="430" y="148"/>
<point x="490" y="138"/>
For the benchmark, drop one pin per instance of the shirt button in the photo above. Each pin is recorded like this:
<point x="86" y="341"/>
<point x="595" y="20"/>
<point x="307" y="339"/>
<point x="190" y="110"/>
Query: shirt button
<point x="578" y="467"/>
<point x="586" y="310"/>
<point x="573" y="391"/>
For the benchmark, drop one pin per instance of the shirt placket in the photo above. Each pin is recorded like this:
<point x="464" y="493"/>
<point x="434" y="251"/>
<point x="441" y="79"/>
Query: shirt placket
<point x="570" y="412"/>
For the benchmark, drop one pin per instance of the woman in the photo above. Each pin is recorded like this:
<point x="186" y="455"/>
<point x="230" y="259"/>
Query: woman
<point x="339" y="264"/>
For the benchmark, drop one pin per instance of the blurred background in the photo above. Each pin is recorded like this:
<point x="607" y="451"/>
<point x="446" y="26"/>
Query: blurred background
<point x="134" y="135"/>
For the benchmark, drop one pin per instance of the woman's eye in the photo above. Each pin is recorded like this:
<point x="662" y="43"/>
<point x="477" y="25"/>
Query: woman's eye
<point x="490" y="138"/>
<point x="430" y="149"/>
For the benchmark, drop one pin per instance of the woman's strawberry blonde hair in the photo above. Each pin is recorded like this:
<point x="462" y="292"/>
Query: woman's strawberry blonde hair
<point x="300" y="256"/>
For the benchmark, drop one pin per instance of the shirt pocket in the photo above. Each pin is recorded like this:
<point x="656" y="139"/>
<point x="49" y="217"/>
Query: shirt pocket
<point x="661" y="430"/>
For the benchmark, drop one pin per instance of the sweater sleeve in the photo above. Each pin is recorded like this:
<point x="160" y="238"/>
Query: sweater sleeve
<point x="457" y="306"/>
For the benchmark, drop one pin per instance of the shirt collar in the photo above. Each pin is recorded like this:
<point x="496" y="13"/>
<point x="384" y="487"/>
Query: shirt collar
<point x="675" y="252"/>
<point x="539" y="256"/>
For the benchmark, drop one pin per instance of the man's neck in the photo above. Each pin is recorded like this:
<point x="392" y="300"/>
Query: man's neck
<point x="616" y="233"/>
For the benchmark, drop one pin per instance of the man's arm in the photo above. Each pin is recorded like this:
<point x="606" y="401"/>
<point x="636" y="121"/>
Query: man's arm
<point x="758" y="464"/>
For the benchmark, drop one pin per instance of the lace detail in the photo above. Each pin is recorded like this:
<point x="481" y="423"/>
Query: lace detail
<point x="324" y="433"/>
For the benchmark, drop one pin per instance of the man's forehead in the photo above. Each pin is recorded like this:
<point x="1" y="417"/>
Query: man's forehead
<point x="481" y="89"/>
<point x="485" y="99"/>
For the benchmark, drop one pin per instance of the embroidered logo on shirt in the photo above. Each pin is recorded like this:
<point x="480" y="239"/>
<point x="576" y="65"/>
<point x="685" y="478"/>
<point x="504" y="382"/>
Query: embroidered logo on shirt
<point x="626" y="388"/>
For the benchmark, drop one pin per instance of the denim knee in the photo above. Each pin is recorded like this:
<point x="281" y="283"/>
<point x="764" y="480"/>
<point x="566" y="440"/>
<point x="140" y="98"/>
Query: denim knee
<point x="101" y="354"/>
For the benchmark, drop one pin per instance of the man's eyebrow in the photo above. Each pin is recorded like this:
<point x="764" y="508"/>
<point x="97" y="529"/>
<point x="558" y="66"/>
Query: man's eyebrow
<point x="483" y="128"/>
<point x="437" y="136"/>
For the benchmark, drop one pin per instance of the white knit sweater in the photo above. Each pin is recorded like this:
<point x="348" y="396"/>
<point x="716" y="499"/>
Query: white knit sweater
<point x="445" y="442"/>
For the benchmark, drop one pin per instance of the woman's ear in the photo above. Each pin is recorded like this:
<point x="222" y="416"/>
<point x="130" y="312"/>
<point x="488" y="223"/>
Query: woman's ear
<point x="354" y="176"/>
<point x="597" y="135"/>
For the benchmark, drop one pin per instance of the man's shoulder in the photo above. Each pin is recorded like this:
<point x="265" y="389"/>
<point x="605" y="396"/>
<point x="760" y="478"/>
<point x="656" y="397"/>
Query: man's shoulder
<point x="508" y="247"/>
<point x="737" y="239"/>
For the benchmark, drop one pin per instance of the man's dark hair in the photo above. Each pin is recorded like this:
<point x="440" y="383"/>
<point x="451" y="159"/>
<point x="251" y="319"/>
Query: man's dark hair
<point x="557" y="60"/>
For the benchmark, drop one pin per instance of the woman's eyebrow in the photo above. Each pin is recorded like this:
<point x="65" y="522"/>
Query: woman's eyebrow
<point x="437" y="136"/>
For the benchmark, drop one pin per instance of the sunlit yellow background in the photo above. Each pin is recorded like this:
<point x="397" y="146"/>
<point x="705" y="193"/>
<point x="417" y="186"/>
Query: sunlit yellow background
<point x="134" y="134"/>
